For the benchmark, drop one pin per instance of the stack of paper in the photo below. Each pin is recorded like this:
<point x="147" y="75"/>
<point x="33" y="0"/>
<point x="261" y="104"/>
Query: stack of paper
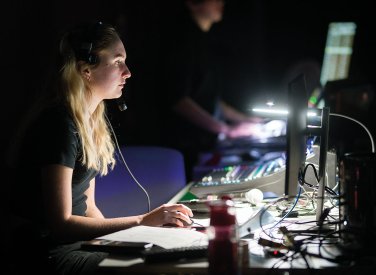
<point x="166" y="237"/>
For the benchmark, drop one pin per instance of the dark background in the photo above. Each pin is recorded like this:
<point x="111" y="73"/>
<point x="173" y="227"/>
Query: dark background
<point x="261" y="40"/>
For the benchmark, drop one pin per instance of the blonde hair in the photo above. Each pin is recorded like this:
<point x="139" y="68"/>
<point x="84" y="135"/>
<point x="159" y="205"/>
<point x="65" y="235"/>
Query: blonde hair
<point x="97" y="145"/>
<point x="70" y="89"/>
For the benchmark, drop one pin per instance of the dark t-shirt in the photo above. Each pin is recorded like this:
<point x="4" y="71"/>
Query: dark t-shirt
<point x="52" y="139"/>
<point x="191" y="65"/>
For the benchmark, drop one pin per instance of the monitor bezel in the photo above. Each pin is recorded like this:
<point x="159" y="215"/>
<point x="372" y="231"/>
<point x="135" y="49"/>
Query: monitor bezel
<point x="296" y="139"/>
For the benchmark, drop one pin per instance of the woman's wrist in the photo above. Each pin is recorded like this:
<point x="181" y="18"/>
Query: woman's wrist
<point x="140" y="219"/>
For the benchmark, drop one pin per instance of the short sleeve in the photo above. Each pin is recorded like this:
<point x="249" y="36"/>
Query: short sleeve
<point x="59" y="142"/>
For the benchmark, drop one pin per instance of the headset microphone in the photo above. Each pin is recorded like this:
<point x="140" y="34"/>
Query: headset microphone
<point x="121" y="104"/>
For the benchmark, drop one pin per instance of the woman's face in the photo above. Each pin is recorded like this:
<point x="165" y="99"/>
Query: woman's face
<point x="212" y="9"/>
<point x="108" y="79"/>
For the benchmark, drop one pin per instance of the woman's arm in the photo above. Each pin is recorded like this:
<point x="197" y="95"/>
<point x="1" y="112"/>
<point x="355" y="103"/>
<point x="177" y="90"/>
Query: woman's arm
<point x="57" y="190"/>
<point x="92" y="210"/>
<point x="193" y="112"/>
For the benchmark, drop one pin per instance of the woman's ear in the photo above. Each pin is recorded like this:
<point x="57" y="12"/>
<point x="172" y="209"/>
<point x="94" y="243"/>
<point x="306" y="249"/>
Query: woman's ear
<point x="84" y="69"/>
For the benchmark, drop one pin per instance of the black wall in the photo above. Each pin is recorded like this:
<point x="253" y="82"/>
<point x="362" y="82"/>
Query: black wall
<point x="263" y="39"/>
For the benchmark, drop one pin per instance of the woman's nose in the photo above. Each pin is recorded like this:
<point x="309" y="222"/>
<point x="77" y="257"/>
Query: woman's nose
<point x="127" y="72"/>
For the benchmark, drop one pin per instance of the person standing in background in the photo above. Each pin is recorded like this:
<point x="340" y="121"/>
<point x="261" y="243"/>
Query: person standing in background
<point x="194" y="113"/>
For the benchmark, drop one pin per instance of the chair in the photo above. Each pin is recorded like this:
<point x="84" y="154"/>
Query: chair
<point x="159" y="170"/>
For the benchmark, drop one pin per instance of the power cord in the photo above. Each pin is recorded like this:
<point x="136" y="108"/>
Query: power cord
<point x="361" y="124"/>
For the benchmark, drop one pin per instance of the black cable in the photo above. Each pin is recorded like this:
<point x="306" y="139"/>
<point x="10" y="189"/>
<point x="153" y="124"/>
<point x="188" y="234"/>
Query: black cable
<point x="327" y="188"/>
<point x="314" y="171"/>
<point x="125" y="163"/>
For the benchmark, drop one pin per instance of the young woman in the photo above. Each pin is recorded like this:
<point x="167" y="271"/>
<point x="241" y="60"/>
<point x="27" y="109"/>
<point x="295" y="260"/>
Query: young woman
<point x="65" y="144"/>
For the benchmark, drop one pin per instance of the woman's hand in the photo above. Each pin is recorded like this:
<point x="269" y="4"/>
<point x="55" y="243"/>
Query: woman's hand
<point x="244" y="129"/>
<point x="173" y="214"/>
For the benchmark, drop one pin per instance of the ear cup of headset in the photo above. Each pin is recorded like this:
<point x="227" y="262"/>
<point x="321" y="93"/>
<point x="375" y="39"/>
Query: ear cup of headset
<point x="85" y="51"/>
<point x="92" y="59"/>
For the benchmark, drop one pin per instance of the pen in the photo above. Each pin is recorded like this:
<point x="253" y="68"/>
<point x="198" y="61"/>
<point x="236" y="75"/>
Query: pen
<point x="198" y="228"/>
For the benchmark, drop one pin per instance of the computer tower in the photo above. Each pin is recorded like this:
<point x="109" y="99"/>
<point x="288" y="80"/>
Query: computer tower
<point x="357" y="174"/>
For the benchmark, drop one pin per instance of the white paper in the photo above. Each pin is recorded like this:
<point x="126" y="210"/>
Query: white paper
<point x="165" y="237"/>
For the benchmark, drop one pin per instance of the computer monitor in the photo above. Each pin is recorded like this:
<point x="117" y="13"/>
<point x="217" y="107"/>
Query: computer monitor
<point x="296" y="138"/>
<point x="338" y="51"/>
<point x="337" y="57"/>
<point x="298" y="129"/>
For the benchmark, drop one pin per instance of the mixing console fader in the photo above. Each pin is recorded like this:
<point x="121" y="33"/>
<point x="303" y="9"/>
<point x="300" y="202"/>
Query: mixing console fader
<point x="267" y="174"/>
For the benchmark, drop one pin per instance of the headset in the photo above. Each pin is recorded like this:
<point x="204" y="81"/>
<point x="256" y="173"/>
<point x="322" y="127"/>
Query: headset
<point x="84" y="51"/>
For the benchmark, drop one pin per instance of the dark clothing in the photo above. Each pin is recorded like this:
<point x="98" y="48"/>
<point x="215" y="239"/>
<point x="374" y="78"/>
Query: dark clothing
<point x="191" y="68"/>
<point x="52" y="139"/>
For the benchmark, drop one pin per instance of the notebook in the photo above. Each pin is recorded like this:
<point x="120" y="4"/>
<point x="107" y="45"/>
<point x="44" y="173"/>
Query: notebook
<point x="121" y="247"/>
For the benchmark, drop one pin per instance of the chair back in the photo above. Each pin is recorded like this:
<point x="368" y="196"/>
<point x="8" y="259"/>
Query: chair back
<point x="159" y="170"/>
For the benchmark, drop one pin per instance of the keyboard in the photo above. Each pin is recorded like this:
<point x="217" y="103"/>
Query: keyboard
<point x="159" y="254"/>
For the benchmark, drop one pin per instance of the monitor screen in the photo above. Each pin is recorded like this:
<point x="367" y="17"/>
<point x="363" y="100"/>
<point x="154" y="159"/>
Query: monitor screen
<point x="337" y="57"/>
<point x="296" y="134"/>
<point x="338" y="51"/>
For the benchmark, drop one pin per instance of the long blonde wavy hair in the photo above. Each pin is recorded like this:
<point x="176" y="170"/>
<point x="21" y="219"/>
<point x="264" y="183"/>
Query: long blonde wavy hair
<point x="98" y="147"/>
<point x="70" y="89"/>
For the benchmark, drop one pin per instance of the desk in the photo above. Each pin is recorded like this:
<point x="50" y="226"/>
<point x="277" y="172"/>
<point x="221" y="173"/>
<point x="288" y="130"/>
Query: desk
<point x="259" y="261"/>
<point x="258" y="265"/>
<point x="136" y="266"/>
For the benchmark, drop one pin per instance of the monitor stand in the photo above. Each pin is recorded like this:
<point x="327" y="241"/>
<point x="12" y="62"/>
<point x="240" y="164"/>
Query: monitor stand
<point x="324" y="135"/>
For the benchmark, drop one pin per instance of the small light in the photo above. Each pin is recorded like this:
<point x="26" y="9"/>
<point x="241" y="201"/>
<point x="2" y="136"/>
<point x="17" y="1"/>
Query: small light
<point x="311" y="114"/>
<point x="270" y="111"/>
<point x="281" y="112"/>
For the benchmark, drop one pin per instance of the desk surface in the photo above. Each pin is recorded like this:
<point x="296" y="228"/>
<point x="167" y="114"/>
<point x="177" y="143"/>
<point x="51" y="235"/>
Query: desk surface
<point x="318" y="252"/>
<point x="258" y="264"/>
